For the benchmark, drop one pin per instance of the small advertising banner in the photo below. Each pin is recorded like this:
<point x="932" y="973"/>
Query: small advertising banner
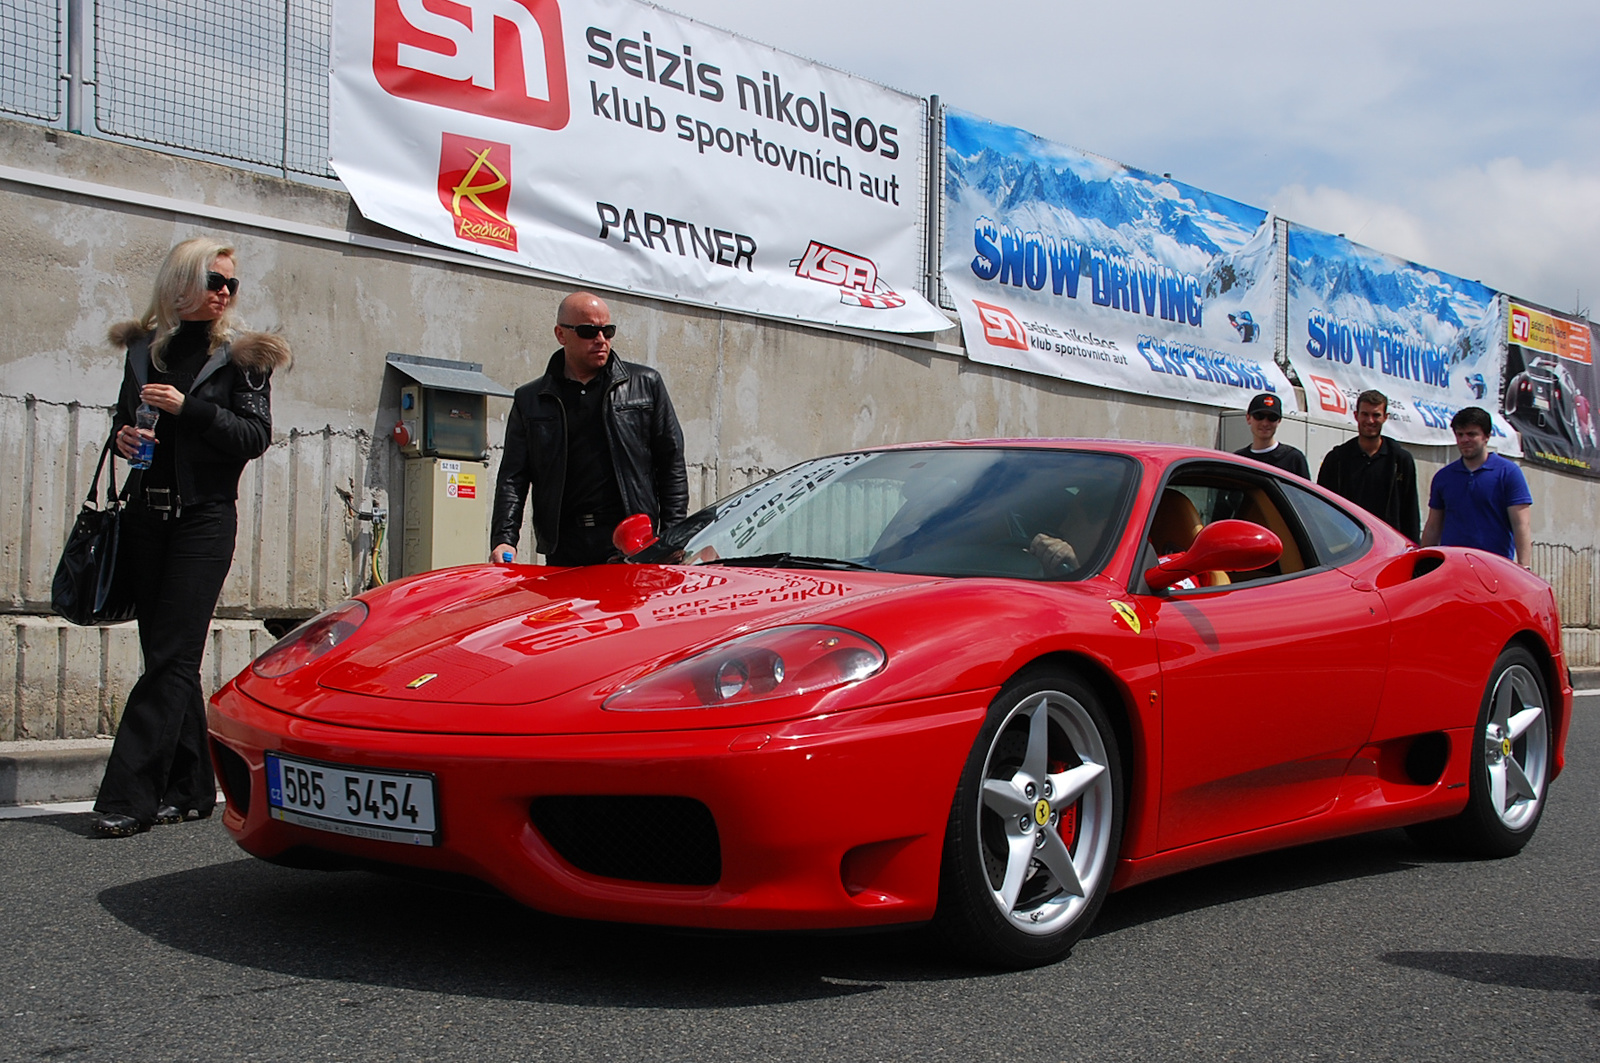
<point x="1071" y="265"/>
<point x="1363" y="320"/>
<point x="613" y="142"/>
<point x="1551" y="387"/>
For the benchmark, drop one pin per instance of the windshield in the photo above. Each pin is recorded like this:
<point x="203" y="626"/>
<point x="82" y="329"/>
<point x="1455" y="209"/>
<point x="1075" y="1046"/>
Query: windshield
<point x="960" y="511"/>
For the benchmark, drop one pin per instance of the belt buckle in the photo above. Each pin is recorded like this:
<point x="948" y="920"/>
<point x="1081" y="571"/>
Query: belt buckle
<point x="586" y="520"/>
<point x="159" y="499"/>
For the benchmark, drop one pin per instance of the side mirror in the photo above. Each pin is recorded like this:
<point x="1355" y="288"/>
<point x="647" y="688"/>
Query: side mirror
<point x="1231" y="545"/>
<point x="634" y="534"/>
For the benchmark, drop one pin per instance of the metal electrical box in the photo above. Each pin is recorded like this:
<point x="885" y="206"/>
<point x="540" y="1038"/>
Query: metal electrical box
<point x="443" y="432"/>
<point x="447" y="514"/>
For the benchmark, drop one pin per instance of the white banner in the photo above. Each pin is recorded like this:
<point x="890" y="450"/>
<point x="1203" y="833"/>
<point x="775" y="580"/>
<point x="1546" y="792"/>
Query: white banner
<point x="1361" y="319"/>
<point x="613" y="142"/>
<point x="1071" y="265"/>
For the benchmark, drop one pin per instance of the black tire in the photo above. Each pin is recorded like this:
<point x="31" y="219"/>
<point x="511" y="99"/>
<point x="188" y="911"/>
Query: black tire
<point x="1006" y="898"/>
<point x="1510" y="770"/>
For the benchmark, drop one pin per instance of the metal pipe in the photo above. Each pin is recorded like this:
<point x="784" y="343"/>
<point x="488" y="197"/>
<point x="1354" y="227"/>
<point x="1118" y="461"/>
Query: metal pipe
<point x="75" y="39"/>
<point x="934" y="242"/>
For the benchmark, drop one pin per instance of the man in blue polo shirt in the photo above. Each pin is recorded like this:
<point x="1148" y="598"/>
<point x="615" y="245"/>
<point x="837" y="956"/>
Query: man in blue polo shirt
<point x="1482" y="499"/>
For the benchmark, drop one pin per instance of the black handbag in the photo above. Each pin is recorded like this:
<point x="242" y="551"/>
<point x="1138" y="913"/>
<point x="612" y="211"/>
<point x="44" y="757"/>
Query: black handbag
<point x="86" y="589"/>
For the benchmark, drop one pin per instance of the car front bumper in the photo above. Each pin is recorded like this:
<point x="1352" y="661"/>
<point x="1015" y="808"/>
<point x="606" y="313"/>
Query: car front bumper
<point x="823" y="822"/>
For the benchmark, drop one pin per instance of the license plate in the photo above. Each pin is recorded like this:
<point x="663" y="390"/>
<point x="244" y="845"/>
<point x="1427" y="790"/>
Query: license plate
<point x="1542" y="402"/>
<point x="391" y="806"/>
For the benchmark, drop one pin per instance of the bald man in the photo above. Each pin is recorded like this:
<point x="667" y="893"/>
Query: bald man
<point x="594" y="440"/>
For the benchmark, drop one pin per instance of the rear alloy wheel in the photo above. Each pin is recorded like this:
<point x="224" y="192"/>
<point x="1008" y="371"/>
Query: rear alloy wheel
<point x="1035" y="826"/>
<point x="1510" y="765"/>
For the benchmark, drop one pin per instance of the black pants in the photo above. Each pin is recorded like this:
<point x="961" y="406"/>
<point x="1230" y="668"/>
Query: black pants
<point x="160" y="756"/>
<point x="579" y="545"/>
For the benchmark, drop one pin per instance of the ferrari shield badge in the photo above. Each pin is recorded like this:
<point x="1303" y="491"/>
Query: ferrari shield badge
<point x="1129" y="617"/>
<point x="421" y="680"/>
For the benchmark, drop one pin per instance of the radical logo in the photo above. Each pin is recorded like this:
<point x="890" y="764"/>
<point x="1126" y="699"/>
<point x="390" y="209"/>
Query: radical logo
<point x="500" y="58"/>
<point x="1329" y="395"/>
<point x="855" y="276"/>
<point x="475" y="187"/>
<point x="1001" y="327"/>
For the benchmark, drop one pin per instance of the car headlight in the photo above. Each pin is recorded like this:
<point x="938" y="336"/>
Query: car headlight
<point x="310" y="640"/>
<point x="781" y="662"/>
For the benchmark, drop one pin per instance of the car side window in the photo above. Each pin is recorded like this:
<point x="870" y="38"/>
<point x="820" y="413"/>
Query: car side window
<point x="1340" y="538"/>
<point x="1219" y="493"/>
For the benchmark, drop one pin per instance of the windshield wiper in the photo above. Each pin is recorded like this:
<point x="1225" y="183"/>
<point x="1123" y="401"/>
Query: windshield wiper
<point x="787" y="560"/>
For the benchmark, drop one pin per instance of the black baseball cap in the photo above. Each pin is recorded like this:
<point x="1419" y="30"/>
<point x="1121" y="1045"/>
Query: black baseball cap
<point x="1265" y="403"/>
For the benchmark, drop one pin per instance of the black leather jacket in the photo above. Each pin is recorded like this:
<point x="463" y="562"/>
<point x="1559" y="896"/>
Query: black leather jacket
<point x="227" y="411"/>
<point x="646" y="452"/>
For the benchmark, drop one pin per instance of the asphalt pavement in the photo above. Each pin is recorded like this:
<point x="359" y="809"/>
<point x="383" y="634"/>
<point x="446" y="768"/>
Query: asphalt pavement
<point x="173" y="945"/>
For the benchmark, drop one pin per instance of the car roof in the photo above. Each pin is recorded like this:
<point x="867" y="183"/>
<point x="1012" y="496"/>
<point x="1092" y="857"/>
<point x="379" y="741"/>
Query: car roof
<point x="1158" y="452"/>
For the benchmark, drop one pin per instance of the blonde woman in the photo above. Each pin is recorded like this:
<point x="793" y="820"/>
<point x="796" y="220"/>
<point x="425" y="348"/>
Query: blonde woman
<point x="212" y="386"/>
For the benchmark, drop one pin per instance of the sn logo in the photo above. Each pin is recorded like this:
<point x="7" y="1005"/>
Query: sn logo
<point x="1521" y="326"/>
<point x="1001" y="327"/>
<point x="500" y="58"/>
<point x="1329" y="395"/>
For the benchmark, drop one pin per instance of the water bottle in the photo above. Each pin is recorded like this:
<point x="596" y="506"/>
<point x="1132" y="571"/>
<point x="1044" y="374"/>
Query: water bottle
<point x="145" y="417"/>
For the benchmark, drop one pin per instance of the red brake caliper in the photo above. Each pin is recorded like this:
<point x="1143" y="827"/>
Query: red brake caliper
<point x="1068" y="827"/>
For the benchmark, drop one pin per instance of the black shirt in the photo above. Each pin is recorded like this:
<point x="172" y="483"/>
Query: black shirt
<point x="591" y="482"/>
<point x="1384" y="484"/>
<point x="1282" y="456"/>
<point x="185" y="354"/>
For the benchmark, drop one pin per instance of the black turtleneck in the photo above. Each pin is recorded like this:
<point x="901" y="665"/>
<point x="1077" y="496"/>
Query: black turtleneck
<point x="185" y="353"/>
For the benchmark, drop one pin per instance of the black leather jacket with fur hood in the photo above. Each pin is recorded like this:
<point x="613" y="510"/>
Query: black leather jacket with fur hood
<point x="227" y="412"/>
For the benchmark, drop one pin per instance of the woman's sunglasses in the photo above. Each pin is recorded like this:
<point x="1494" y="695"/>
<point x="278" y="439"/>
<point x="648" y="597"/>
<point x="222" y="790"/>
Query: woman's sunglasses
<point x="589" y="332"/>
<point x="215" y="282"/>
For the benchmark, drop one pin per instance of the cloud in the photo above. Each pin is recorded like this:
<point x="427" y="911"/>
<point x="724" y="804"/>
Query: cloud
<point x="1529" y="231"/>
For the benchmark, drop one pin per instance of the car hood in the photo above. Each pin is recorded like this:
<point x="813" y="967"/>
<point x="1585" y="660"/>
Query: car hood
<point x="516" y="637"/>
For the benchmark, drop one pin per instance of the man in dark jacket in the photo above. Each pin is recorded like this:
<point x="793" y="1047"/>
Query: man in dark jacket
<point x="1374" y="471"/>
<point x="595" y="439"/>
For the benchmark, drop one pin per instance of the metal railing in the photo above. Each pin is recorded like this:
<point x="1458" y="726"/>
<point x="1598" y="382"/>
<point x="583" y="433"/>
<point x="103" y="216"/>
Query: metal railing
<point x="240" y="80"/>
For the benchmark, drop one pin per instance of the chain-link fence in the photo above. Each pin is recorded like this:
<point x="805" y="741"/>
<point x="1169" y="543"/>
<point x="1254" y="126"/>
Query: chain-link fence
<point x="244" y="80"/>
<point x="31" y="32"/>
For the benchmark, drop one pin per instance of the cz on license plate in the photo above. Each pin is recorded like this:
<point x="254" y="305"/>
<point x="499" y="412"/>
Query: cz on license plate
<point x="392" y="806"/>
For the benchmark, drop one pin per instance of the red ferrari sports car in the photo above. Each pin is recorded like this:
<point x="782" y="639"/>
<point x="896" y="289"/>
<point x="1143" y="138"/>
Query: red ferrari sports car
<point x="978" y="683"/>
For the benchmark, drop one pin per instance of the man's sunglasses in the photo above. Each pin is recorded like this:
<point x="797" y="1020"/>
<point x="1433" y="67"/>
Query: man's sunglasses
<point x="215" y="282"/>
<point x="589" y="332"/>
<point x="1274" y="418"/>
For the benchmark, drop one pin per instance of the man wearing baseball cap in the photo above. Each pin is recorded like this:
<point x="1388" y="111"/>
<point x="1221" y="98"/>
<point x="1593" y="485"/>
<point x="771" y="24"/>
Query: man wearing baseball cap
<point x="1264" y="413"/>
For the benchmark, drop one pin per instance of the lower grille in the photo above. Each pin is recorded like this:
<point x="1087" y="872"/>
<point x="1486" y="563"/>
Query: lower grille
<point x="670" y="840"/>
<point x="235" y="776"/>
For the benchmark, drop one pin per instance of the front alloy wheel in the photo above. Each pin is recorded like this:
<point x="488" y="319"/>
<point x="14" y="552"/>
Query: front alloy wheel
<point x="1035" y="826"/>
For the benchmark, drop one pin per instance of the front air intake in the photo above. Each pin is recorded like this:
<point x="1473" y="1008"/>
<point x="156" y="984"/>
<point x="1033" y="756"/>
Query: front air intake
<point x="667" y="840"/>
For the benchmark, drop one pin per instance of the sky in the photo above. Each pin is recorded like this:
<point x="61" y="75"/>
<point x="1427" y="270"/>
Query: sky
<point x="1464" y="136"/>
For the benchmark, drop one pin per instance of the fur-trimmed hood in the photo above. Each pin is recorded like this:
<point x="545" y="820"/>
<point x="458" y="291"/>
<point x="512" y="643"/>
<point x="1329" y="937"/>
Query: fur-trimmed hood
<point x="254" y="352"/>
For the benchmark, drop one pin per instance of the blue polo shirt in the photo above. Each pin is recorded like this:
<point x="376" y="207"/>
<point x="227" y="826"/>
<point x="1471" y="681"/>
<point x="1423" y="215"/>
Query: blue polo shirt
<point x="1475" y="503"/>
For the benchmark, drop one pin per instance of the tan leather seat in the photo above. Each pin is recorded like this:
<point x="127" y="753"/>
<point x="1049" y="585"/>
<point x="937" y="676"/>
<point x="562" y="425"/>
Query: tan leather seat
<point x="1176" y="524"/>
<point x="1174" y="528"/>
<point x="1258" y="509"/>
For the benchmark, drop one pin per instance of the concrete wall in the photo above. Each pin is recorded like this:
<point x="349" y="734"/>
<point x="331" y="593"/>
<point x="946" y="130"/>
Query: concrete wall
<point x="84" y="224"/>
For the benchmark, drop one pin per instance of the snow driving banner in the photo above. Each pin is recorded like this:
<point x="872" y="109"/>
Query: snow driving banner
<point x="1071" y="265"/>
<point x="1552" y="385"/>
<point x="613" y="142"/>
<point x="1360" y="319"/>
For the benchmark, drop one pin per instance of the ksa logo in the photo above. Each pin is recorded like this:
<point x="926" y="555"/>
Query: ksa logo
<point x="1329" y="395"/>
<point x="475" y="187"/>
<point x="500" y="58"/>
<point x="1001" y="327"/>
<point x="855" y="275"/>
